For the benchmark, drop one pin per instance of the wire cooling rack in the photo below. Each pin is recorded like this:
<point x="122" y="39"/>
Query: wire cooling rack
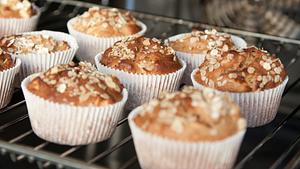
<point x="275" y="145"/>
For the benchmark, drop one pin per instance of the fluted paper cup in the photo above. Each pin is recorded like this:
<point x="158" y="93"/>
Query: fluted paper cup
<point x="142" y="88"/>
<point x="71" y="125"/>
<point x="6" y="83"/>
<point x="11" y="26"/>
<point x="34" y="63"/>
<point x="89" y="45"/>
<point x="157" y="152"/>
<point x="193" y="60"/>
<point x="260" y="107"/>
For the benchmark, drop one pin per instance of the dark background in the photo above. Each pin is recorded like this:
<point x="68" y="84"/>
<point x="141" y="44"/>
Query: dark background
<point x="275" y="17"/>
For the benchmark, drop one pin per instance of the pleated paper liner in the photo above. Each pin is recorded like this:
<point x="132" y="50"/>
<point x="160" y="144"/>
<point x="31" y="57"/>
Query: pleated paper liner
<point x="10" y="26"/>
<point x="156" y="152"/>
<point x="260" y="107"/>
<point x="6" y="83"/>
<point x="142" y="88"/>
<point x="34" y="62"/>
<point x="193" y="60"/>
<point x="89" y="45"/>
<point x="71" y="125"/>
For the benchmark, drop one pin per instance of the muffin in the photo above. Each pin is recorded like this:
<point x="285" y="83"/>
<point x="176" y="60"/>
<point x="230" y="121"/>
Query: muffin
<point x="6" y="61"/>
<point x="145" y="66"/>
<point x="17" y="16"/>
<point x="8" y="70"/>
<point x="39" y="50"/>
<point x="194" y="46"/>
<point x="99" y="28"/>
<point x="84" y="104"/>
<point x="253" y="77"/>
<point x="185" y="127"/>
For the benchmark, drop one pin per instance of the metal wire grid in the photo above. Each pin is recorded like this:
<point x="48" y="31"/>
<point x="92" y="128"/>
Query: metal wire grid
<point x="19" y="145"/>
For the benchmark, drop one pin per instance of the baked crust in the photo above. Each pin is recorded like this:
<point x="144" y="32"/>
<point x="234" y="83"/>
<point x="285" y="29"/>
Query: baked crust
<point x="141" y="55"/>
<point x="245" y="70"/>
<point x="34" y="43"/>
<point x="77" y="84"/>
<point x="191" y="115"/>
<point x="16" y="9"/>
<point x="203" y="42"/>
<point x="106" y="22"/>
<point x="6" y="62"/>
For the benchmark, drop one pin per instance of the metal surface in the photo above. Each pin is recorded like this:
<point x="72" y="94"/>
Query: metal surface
<point x="273" y="146"/>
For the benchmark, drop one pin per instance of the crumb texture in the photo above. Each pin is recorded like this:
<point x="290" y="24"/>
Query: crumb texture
<point x="142" y="56"/>
<point x="203" y="42"/>
<point x="245" y="70"/>
<point x="77" y="84"/>
<point x="16" y="9"/>
<point x="191" y="115"/>
<point x="106" y="22"/>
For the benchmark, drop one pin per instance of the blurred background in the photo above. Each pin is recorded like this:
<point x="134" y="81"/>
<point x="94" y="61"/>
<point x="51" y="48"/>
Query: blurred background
<point x="274" y="17"/>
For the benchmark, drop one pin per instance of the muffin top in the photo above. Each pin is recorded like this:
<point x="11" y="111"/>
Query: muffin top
<point x="245" y="70"/>
<point x="6" y="61"/>
<point x="106" y="22"/>
<point x="16" y="9"/>
<point x="77" y="84"/>
<point x="34" y="43"/>
<point x="191" y="115"/>
<point x="203" y="42"/>
<point x="141" y="55"/>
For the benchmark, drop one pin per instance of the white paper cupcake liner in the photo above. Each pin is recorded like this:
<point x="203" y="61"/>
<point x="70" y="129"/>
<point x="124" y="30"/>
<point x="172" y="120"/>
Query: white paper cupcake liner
<point x="143" y="88"/>
<point x="156" y="152"/>
<point x="6" y="83"/>
<point x="34" y="63"/>
<point x="18" y="25"/>
<point x="89" y="45"/>
<point x="259" y="108"/>
<point x="194" y="60"/>
<point x="71" y="125"/>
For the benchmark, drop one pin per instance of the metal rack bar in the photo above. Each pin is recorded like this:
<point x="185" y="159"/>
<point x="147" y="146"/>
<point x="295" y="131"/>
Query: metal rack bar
<point x="112" y="149"/>
<point x="11" y="107"/>
<point x="278" y="162"/>
<point x="122" y="121"/>
<point x="288" y="88"/>
<point x="129" y="163"/>
<point x="38" y="147"/>
<point x="42" y="155"/>
<point x="295" y="161"/>
<point x="13" y="122"/>
<point x="249" y="156"/>
<point x="64" y="154"/>
<point x="20" y="136"/>
<point x="45" y="158"/>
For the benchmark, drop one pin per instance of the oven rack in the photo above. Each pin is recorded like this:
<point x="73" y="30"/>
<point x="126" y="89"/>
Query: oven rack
<point x="21" y="145"/>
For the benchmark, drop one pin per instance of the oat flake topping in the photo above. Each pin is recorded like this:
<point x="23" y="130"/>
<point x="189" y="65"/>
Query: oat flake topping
<point x="77" y="84"/>
<point x="34" y="43"/>
<point x="21" y="7"/>
<point x="250" y="69"/>
<point x="190" y="112"/>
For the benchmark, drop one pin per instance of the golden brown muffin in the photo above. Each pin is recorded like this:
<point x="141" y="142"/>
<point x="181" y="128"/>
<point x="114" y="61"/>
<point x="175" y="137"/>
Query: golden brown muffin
<point x="16" y="9"/>
<point x="203" y="42"/>
<point x="106" y="22"/>
<point x="77" y="84"/>
<point x="6" y="61"/>
<point x="250" y="69"/>
<point x="141" y="55"/>
<point x="191" y="115"/>
<point x="25" y="44"/>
